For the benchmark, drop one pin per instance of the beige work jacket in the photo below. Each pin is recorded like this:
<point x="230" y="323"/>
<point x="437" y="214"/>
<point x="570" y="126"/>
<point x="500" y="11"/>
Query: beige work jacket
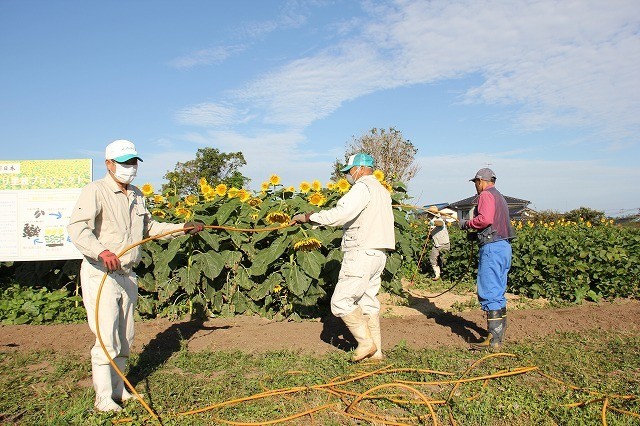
<point x="365" y="214"/>
<point x="105" y="218"/>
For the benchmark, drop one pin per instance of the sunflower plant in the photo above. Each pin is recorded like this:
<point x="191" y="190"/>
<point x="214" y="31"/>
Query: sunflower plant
<point x="224" y="272"/>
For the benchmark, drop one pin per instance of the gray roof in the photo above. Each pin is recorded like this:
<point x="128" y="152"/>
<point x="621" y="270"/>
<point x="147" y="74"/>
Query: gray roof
<point x="472" y="201"/>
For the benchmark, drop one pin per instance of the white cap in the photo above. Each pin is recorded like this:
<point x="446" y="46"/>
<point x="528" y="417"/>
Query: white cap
<point x="121" y="150"/>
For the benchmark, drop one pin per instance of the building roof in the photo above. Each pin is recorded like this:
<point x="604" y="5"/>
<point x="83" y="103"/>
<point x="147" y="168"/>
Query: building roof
<point x="472" y="201"/>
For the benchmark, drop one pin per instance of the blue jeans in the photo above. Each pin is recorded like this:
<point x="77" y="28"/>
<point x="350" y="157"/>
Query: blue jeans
<point x="494" y="261"/>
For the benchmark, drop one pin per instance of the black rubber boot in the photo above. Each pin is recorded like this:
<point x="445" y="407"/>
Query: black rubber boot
<point x="503" y="312"/>
<point x="496" y="325"/>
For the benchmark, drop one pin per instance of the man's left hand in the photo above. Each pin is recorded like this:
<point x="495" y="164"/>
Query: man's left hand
<point x="462" y="223"/>
<point x="196" y="227"/>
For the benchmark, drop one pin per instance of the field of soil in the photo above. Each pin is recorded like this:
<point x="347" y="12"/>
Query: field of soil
<point x="423" y="323"/>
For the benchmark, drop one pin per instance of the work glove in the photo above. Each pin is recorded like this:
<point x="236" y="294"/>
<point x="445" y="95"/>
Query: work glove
<point x="301" y="218"/>
<point x="196" y="227"/>
<point x="110" y="260"/>
<point x="462" y="224"/>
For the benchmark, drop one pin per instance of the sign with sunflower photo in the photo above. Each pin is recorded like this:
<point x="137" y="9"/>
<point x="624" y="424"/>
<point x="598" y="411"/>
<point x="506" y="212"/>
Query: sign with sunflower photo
<point x="36" y="200"/>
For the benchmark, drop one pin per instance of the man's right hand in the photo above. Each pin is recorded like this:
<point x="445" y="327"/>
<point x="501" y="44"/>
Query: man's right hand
<point x="301" y="218"/>
<point x="110" y="260"/>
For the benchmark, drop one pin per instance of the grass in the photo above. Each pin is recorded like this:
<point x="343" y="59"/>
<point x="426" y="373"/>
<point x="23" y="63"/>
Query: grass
<point x="47" y="388"/>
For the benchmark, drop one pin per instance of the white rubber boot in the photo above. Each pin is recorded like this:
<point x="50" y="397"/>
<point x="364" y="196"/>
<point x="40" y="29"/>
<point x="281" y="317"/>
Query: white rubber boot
<point x="120" y="392"/>
<point x="436" y="270"/>
<point x="101" y="375"/>
<point x="373" y="321"/>
<point x="357" y="325"/>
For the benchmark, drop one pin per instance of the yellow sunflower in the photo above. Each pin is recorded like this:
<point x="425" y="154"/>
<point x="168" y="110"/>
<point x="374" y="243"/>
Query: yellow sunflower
<point x="305" y="187"/>
<point x="274" y="179"/>
<point x="202" y="181"/>
<point x="316" y="185"/>
<point x="290" y="189"/>
<point x="243" y="195"/>
<point x="387" y="185"/>
<point x="264" y="186"/>
<point x="379" y="174"/>
<point x="221" y="190"/>
<point x="158" y="199"/>
<point x="331" y="186"/>
<point x="204" y="188"/>
<point x="308" y="244"/>
<point x="343" y="186"/>
<point x="317" y="199"/>
<point x="182" y="212"/>
<point x="158" y="213"/>
<point x="210" y="194"/>
<point x="191" y="200"/>
<point x="232" y="192"/>
<point x="147" y="189"/>
<point x="255" y="202"/>
<point x="278" y="217"/>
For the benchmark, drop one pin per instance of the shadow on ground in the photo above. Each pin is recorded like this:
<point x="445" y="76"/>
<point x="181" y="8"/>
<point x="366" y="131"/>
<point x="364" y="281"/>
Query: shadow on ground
<point x="469" y="331"/>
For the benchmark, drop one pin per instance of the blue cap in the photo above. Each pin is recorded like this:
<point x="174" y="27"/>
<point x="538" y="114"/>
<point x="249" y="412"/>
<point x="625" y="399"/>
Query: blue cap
<point x="358" y="160"/>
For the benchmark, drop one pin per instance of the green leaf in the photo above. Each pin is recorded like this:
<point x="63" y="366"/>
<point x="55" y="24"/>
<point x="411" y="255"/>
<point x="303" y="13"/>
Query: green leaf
<point x="267" y="256"/>
<point x="212" y="263"/>
<point x="296" y="280"/>
<point x="310" y="262"/>
<point x="212" y="240"/>
<point x="190" y="278"/>
<point x="242" y="279"/>
<point x="240" y="302"/>
<point x="226" y="210"/>
<point x="262" y="290"/>
<point x="394" y="261"/>
<point x="232" y="259"/>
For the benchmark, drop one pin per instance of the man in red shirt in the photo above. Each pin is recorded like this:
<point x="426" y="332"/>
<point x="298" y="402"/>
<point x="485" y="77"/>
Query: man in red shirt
<point x="494" y="231"/>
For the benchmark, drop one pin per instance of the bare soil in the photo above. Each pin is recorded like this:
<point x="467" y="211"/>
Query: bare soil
<point x="423" y="323"/>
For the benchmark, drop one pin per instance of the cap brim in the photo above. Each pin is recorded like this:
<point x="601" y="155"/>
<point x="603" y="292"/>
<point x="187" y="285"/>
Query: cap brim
<point x="126" y="157"/>
<point x="346" y="168"/>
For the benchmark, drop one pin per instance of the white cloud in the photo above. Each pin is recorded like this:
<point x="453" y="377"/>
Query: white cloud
<point x="213" y="55"/>
<point x="564" y="63"/>
<point x="209" y="114"/>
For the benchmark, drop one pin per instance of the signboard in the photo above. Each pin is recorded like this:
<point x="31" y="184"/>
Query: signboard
<point x="36" y="200"/>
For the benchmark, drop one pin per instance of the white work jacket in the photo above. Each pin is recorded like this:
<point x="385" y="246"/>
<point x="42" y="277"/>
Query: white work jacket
<point x="366" y="215"/>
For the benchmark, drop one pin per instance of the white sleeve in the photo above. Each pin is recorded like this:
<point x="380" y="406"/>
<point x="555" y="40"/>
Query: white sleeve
<point x="348" y="207"/>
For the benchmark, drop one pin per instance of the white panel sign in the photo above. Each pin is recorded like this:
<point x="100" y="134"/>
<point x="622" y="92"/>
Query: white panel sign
<point x="36" y="201"/>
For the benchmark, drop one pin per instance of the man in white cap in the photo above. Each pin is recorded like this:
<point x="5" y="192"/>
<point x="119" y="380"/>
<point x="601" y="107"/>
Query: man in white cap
<point x="366" y="215"/>
<point x="109" y="216"/>
<point x="494" y="232"/>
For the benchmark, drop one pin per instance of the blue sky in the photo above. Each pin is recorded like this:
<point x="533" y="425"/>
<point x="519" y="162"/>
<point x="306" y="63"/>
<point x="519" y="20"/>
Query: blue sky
<point x="545" y="92"/>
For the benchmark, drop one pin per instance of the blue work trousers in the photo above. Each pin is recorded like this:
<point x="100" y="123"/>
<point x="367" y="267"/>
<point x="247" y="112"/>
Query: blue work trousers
<point x="494" y="261"/>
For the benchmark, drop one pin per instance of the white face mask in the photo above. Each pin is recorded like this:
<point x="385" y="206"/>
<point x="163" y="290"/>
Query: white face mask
<point x="352" y="180"/>
<point x="125" y="173"/>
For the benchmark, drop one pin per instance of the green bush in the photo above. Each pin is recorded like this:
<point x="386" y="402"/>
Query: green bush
<point x="573" y="261"/>
<point x="25" y="305"/>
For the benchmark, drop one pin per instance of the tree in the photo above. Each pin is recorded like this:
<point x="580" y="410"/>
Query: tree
<point x="585" y="213"/>
<point x="215" y="166"/>
<point x="394" y="154"/>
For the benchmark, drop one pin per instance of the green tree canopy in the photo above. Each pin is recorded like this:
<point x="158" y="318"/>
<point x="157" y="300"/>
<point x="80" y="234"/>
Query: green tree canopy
<point x="394" y="154"/>
<point x="215" y="166"/>
<point x="587" y="214"/>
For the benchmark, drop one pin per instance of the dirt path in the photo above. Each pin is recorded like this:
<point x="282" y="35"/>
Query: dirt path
<point x="423" y="324"/>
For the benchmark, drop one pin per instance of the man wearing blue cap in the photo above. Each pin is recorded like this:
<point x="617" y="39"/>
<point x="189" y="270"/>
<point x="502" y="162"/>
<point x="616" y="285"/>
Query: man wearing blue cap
<point x="109" y="216"/>
<point x="494" y="231"/>
<point x="366" y="216"/>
